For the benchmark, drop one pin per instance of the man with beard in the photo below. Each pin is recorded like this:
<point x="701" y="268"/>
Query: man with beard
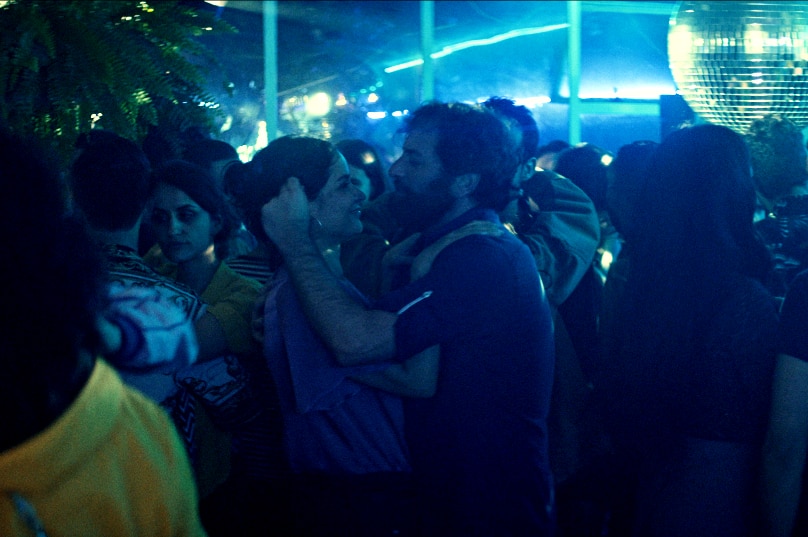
<point x="478" y="446"/>
<point x="552" y="216"/>
<point x="369" y="259"/>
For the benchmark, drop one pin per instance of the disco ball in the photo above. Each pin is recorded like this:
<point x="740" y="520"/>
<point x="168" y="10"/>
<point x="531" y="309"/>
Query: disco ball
<point x="734" y="62"/>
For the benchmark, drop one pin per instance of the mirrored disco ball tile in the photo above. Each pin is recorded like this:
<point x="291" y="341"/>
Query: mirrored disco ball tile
<point x="734" y="62"/>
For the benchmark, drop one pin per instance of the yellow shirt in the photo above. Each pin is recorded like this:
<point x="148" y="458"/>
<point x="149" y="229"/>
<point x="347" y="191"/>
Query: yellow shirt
<point x="111" y="465"/>
<point x="230" y="298"/>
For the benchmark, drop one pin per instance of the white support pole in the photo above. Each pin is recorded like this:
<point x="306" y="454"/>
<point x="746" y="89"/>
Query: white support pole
<point x="270" y="12"/>
<point x="427" y="48"/>
<point x="574" y="70"/>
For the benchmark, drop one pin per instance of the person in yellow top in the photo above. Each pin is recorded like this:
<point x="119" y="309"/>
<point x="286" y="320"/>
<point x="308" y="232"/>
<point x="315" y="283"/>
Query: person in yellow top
<point x="81" y="454"/>
<point x="193" y="223"/>
<point x="111" y="465"/>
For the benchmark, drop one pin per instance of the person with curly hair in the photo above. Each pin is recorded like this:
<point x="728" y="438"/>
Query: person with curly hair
<point x="778" y="159"/>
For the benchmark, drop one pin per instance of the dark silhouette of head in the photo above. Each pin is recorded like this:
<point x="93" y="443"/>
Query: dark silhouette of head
<point x="586" y="165"/>
<point x="524" y="121"/>
<point x="56" y="292"/>
<point x="205" y="152"/>
<point x="109" y="180"/>
<point x="626" y="178"/>
<point x="215" y="156"/>
<point x="697" y="205"/>
<point x="547" y="154"/>
<point x="362" y="155"/>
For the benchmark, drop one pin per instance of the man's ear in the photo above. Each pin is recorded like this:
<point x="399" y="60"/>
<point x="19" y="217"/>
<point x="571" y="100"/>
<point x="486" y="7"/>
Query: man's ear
<point x="216" y="224"/>
<point x="464" y="185"/>
<point x="529" y="168"/>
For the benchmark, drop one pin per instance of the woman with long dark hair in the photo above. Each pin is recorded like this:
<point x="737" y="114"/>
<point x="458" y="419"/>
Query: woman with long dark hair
<point x="690" y="367"/>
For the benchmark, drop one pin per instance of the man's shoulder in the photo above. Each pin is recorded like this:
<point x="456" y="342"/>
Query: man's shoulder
<point x="127" y="268"/>
<point x="491" y="249"/>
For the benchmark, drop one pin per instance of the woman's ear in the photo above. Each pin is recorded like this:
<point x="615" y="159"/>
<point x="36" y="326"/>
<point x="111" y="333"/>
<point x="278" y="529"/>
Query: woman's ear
<point x="314" y="212"/>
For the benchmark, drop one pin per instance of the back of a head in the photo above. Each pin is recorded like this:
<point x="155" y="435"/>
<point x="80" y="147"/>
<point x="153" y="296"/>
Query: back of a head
<point x="109" y="180"/>
<point x="698" y="203"/>
<point x="470" y="140"/>
<point x="199" y="185"/>
<point x="55" y="279"/>
<point x="693" y="235"/>
<point x="553" y="146"/>
<point x="778" y="156"/>
<point x="586" y="165"/>
<point x="207" y="151"/>
<point x="627" y="177"/>
<point x="523" y="118"/>
<point x="364" y="156"/>
<point x="547" y="154"/>
<point x="306" y="158"/>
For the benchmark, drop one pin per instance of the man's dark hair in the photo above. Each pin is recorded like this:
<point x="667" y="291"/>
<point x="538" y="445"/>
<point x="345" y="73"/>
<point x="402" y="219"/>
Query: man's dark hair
<point x="585" y="166"/>
<point x="470" y="140"/>
<point x="109" y="180"/>
<point x="553" y="146"/>
<point x="205" y="152"/>
<point x="524" y="119"/>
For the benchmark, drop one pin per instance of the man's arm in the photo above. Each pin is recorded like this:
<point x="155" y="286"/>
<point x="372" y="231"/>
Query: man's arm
<point x="415" y="377"/>
<point x="353" y="333"/>
<point x="786" y="445"/>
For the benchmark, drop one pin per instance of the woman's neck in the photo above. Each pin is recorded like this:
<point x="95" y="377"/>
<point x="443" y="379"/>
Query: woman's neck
<point x="197" y="273"/>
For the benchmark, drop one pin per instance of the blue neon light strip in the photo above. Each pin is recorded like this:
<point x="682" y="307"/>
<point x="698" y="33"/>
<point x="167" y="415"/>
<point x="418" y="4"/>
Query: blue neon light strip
<point x="478" y="43"/>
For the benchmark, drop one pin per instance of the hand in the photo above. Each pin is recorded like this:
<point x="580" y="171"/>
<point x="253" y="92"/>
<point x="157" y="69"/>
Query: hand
<point x="395" y="258"/>
<point x="285" y="218"/>
<point x="400" y="254"/>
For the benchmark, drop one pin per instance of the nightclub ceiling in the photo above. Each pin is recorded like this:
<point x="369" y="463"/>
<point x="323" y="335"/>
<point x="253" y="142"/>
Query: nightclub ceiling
<point x="515" y="49"/>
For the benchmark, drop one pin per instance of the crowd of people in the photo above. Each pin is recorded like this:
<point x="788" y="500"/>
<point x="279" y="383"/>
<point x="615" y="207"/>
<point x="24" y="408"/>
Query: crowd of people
<point x="490" y="338"/>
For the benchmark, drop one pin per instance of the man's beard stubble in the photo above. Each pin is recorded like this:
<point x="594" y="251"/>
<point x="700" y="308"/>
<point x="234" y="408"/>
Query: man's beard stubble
<point x="417" y="211"/>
